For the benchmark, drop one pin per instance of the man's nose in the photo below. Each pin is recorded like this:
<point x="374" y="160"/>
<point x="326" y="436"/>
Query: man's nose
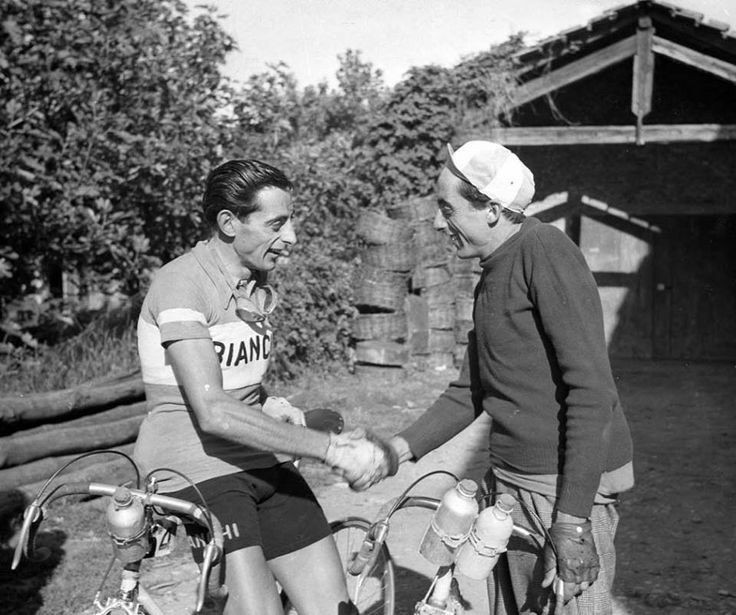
<point x="288" y="234"/>
<point x="439" y="221"/>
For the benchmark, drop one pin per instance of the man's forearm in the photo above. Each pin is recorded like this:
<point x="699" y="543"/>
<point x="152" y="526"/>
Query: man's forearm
<point x="232" y="420"/>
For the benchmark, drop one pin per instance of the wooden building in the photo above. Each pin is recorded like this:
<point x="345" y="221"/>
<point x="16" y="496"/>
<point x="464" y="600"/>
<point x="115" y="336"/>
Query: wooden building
<point x="629" y="125"/>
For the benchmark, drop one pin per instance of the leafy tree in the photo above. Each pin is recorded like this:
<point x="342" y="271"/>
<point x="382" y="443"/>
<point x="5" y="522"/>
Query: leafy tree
<point x="109" y="124"/>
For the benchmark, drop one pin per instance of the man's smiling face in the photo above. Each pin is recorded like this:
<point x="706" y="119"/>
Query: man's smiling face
<point x="266" y="235"/>
<point x="466" y="224"/>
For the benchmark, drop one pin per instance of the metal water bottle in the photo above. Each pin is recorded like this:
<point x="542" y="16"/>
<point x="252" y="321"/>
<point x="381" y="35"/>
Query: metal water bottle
<point x="450" y="523"/>
<point x="127" y="526"/>
<point x="487" y="540"/>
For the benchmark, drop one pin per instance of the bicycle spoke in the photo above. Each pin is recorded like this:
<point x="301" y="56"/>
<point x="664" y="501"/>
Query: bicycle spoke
<point x="373" y="592"/>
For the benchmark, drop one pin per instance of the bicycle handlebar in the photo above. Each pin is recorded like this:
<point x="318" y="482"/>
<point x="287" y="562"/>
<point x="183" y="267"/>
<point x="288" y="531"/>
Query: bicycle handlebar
<point x="209" y="580"/>
<point x="376" y="535"/>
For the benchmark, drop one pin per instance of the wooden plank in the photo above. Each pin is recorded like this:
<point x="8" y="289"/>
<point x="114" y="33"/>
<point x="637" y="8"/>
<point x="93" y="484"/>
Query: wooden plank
<point x="719" y="68"/>
<point x="643" y="77"/>
<point x="589" y="65"/>
<point x="590" y="135"/>
<point x="619" y="213"/>
<point x="382" y="353"/>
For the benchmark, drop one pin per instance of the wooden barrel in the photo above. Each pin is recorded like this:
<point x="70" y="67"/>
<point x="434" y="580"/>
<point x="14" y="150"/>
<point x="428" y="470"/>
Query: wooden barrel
<point x="443" y="294"/>
<point x="459" y="354"/>
<point x="442" y="317"/>
<point x="380" y="289"/>
<point x="440" y="340"/>
<point x="425" y="234"/>
<point x="465" y="283"/>
<point x="434" y="254"/>
<point x="387" y="326"/>
<point x="378" y="229"/>
<point x="464" y="265"/>
<point x="441" y="360"/>
<point x="424" y="277"/>
<point x="392" y="257"/>
<point x="464" y="307"/>
<point x="381" y="353"/>
<point x="434" y="360"/>
<point x="461" y="328"/>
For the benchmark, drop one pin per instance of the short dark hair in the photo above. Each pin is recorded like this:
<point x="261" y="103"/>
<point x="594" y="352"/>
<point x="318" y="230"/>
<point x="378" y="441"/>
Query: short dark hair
<point x="234" y="185"/>
<point x="479" y="200"/>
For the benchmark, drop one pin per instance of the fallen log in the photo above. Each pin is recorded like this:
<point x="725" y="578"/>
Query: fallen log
<point x="38" y="407"/>
<point x="19" y="449"/>
<point x="98" y="418"/>
<point x="40" y="470"/>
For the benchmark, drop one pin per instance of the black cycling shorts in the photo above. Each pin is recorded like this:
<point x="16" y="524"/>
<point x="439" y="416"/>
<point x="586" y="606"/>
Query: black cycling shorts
<point x="273" y="508"/>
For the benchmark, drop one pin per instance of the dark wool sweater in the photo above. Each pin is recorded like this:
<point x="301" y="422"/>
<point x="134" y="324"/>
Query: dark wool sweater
<point x="537" y="363"/>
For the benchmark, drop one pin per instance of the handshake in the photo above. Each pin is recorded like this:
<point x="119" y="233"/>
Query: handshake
<point x="361" y="457"/>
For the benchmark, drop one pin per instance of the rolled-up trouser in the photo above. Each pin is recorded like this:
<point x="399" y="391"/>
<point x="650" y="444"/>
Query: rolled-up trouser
<point x="515" y="587"/>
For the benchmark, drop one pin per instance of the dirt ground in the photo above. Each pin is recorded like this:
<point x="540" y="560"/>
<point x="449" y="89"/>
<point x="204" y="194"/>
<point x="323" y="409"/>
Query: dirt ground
<point x="676" y="539"/>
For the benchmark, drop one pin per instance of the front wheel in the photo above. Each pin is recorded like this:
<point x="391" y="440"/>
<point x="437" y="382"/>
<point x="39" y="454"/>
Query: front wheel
<point x="372" y="593"/>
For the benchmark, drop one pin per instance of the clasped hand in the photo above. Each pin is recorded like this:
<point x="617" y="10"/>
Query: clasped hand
<point x="361" y="457"/>
<point x="280" y="409"/>
<point x="570" y="556"/>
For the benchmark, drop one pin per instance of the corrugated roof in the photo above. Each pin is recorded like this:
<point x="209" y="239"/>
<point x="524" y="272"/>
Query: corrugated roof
<point x="711" y="36"/>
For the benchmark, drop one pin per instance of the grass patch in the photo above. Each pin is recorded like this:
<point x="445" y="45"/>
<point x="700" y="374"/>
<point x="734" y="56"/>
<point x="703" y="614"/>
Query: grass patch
<point x="101" y="349"/>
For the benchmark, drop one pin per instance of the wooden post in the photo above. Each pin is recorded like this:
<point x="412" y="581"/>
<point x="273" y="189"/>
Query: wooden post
<point x="643" y="81"/>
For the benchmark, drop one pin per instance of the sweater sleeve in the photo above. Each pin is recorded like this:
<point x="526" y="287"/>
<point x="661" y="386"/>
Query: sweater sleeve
<point x="566" y="296"/>
<point x="454" y="410"/>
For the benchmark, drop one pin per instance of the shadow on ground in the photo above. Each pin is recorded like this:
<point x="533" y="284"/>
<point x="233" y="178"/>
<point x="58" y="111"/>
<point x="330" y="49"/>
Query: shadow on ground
<point x="21" y="589"/>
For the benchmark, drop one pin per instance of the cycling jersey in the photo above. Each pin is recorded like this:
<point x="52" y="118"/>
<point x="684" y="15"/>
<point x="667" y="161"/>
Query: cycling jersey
<point x="193" y="297"/>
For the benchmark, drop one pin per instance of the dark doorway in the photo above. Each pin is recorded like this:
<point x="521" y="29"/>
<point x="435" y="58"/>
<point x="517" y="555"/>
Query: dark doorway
<point x="694" y="314"/>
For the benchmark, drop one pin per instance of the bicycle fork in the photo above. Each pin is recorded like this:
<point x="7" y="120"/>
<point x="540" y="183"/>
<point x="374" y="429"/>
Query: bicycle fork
<point x="131" y="597"/>
<point x="437" y="601"/>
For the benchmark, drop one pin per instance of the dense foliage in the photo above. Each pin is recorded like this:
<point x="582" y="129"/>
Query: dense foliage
<point x="115" y="110"/>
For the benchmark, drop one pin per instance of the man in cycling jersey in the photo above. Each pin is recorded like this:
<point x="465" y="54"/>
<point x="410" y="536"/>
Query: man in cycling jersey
<point x="537" y="363"/>
<point x="205" y="342"/>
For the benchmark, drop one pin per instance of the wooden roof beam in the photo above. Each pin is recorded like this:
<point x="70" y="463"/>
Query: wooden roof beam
<point x="586" y="66"/>
<point x="701" y="61"/>
<point x="643" y="79"/>
<point x="599" y="135"/>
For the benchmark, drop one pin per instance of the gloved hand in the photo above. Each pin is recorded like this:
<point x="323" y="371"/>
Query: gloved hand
<point x="362" y="458"/>
<point x="574" y="559"/>
<point x="281" y="410"/>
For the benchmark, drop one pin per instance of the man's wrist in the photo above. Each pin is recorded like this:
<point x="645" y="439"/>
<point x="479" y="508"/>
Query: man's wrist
<point x="563" y="517"/>
<point x="401" y="446"/>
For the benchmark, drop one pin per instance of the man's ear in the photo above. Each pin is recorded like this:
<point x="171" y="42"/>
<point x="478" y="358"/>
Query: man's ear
<point x="494" y="213"/>
<point x="226" y="222"/>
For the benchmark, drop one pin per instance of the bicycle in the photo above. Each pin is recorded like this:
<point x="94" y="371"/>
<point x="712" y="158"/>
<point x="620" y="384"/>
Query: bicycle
<point x="371" y="560"/>
<point x="145" y="527"/>
<point x="152" y="537"/>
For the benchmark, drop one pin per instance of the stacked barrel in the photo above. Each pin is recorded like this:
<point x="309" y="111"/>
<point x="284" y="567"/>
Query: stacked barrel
<point x="465" y="276"/>
<point x="431" y="302"/>
<point x="380" y="328"/>
<point x="405" y="295"/>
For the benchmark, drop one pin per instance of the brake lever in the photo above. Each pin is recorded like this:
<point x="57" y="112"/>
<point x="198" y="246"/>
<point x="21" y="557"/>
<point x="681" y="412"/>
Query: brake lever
<point x="32" y="517"/>
<point x="207" y="584"/>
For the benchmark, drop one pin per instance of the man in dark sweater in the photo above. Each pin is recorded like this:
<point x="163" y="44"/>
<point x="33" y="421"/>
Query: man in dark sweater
<point x="537" y="363"/>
